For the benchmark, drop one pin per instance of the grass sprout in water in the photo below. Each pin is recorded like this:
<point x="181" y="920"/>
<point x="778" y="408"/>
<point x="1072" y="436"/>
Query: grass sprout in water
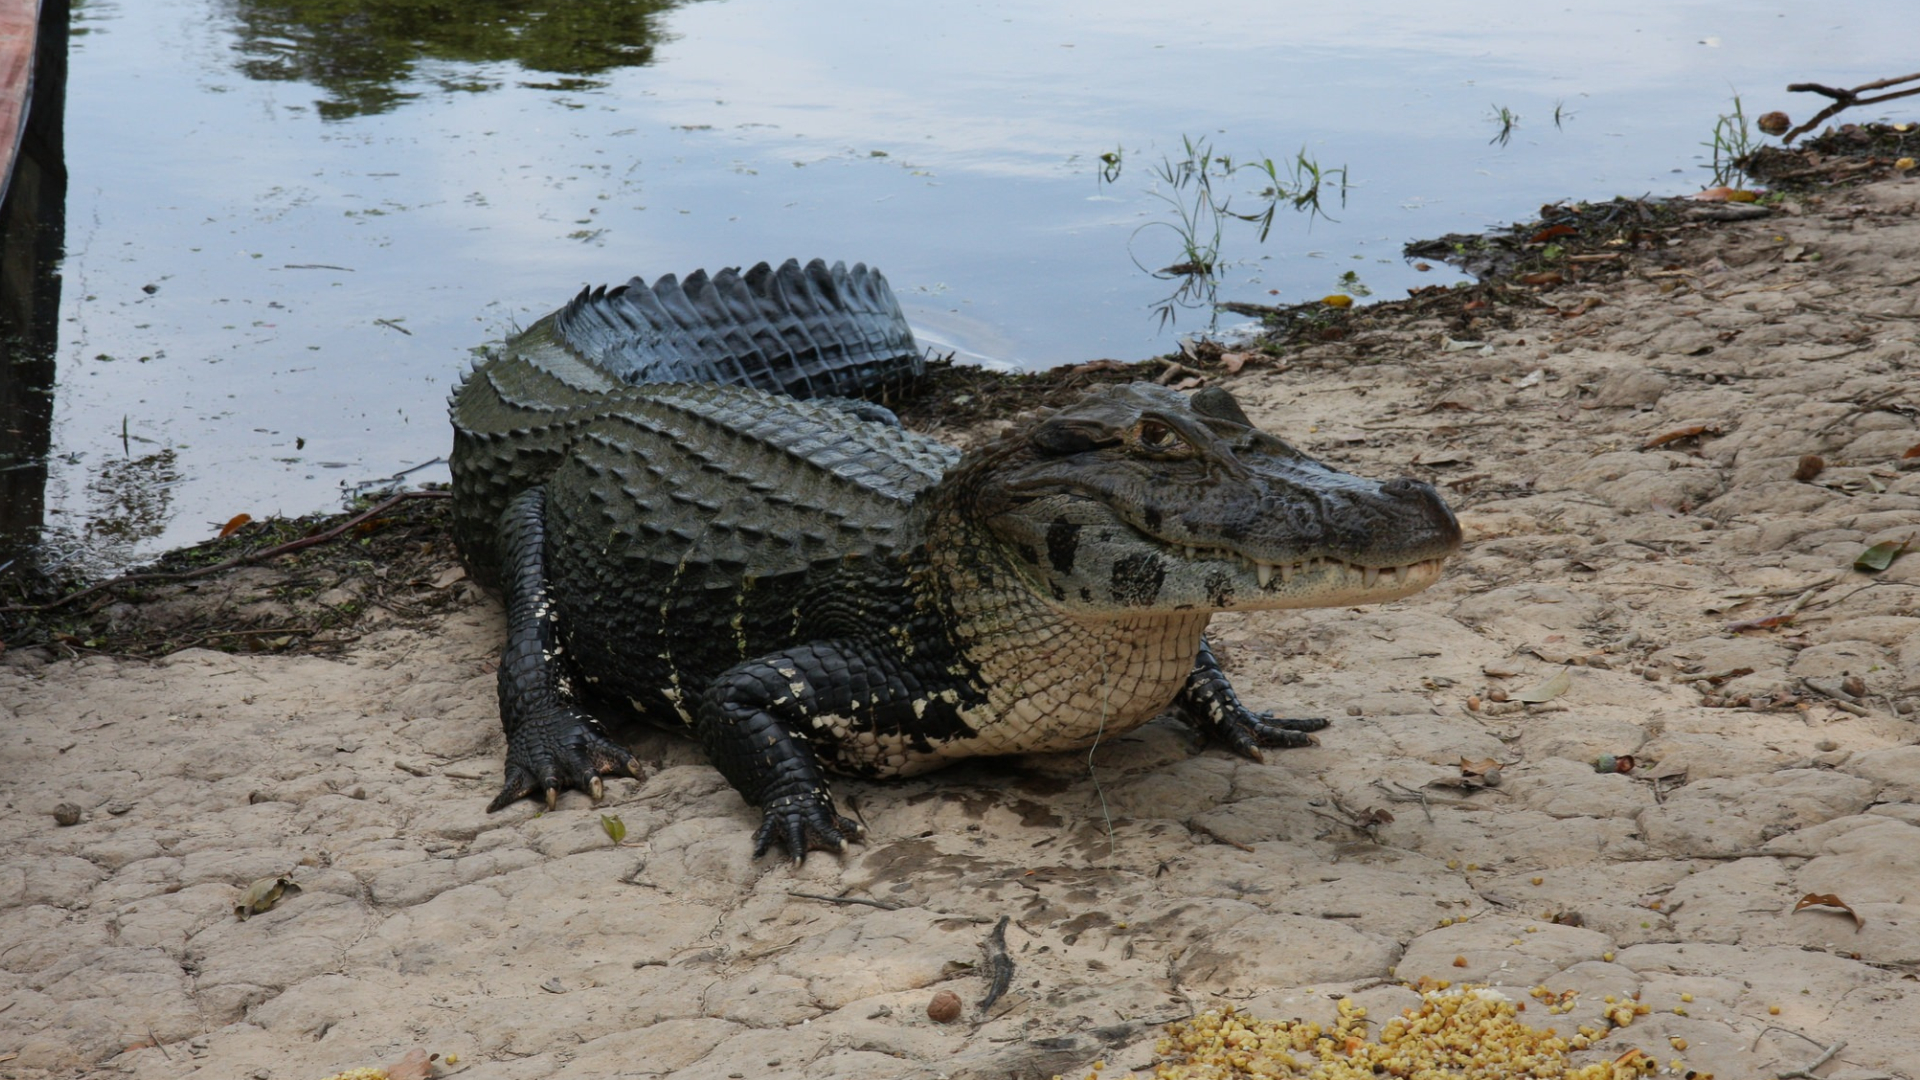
<point x="1198" y="210"/>
<point x="1508" y="121"/>
<point x="1732" y="141"/>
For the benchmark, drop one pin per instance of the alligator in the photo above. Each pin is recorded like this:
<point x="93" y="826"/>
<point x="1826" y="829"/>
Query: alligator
<point x="694" y="508"/>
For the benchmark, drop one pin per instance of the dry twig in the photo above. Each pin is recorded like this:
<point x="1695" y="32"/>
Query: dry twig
<point x="1846" y="99"/>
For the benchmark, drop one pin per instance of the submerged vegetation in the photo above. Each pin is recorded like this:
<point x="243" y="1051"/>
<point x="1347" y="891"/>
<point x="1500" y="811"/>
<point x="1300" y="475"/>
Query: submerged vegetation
<point x="1732" y="142"/>
<point x="1195" y="190"/>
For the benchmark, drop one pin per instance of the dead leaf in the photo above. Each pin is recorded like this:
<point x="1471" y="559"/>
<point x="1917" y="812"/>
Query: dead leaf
<point x="416" y="1065"/>
<point x="1532" y="378"/>
<point x="1687" y="432"/>
<point x="448" y="576"/>
<point x="1912" y="452"/>
<point x="1552" y="231"/>
<point x="1660" y="506"/>
<point x="1101" y="365"/>
<point x="1830" y="900"/>
<point x="1232" y="362"/>
<point x="1582" y="307"/>
<point x="1881" y="555"/>
<point x="262" y="895"/>
<point x="235" y="524"/>
<point x="1765" y="622"/>
<point x="1547" y="691"/>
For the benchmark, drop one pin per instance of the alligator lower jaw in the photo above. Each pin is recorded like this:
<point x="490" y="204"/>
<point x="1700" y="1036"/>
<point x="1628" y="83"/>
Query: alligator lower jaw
<point x="1327" y="580"/>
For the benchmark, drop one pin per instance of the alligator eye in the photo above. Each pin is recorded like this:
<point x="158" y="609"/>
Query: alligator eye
<point x="1156" y="435"/>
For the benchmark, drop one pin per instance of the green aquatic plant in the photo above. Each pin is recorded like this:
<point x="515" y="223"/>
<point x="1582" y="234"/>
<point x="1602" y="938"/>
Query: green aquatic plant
<point x="1732" y="141"/>
<point x="1508" y="121"/>
<point x="1193" y="187"/>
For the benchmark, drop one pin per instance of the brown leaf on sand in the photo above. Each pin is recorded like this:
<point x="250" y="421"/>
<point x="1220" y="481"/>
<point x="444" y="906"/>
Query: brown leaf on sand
<point x="416" y="1065"/>
<point x="235" y="524"/>
<point x="1100" y="365"/>
<point x="1232" y="362"/>
<point x="1688" y="432"/>
<point x="1765" y="622"/>
<point x="1912" y="452"/>
<point x="1812" y="900"/>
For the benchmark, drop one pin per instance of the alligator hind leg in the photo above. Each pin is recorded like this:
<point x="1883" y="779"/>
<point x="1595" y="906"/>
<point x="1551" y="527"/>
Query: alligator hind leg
<point x="1209" y="704"/>
<point x="552" y="745"/>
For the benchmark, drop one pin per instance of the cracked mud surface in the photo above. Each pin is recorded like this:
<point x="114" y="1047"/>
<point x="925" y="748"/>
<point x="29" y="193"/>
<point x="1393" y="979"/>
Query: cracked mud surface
<point x="1156" y="876"/>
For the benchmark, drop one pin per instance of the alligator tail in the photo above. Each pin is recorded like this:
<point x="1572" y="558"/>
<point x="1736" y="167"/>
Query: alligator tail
<point x="807" y="332"/>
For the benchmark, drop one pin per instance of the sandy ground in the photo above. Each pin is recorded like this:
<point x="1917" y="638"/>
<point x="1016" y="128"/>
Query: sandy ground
<point x="1154" y="876"/>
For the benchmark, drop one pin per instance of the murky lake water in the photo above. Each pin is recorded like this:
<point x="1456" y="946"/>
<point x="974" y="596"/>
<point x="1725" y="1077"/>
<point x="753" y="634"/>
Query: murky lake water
<point x="284" y="236"/>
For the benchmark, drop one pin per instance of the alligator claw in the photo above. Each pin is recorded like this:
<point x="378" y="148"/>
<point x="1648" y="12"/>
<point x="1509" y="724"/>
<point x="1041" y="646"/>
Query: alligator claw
<point x="804" y="823"/>
<point x="560" y="752"/>
<point x="1247" y="732"/>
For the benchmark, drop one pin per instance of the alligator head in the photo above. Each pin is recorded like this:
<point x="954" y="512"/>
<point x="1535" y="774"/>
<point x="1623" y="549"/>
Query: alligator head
<point x="1138" y="498"/>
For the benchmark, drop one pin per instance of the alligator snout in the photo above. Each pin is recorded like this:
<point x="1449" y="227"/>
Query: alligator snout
<point x="1428" y="507"/>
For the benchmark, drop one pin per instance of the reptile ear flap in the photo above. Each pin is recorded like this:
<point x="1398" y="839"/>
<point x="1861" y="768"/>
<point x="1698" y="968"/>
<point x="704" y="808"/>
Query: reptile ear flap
<point x="1215" y="402"/>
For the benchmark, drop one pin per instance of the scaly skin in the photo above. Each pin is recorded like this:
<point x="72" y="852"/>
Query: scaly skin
<point x="812" y="591"/>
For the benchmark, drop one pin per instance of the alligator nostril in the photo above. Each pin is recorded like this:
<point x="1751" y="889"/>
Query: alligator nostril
<point x="1404" y="486"/>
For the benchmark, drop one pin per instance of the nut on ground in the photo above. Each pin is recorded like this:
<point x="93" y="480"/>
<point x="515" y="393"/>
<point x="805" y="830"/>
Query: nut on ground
<point x="944" y="1008"/>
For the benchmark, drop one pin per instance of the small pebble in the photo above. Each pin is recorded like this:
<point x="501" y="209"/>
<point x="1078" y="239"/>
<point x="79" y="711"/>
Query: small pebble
<point x="944" y="1008"/>
<point x="66" y="814"/>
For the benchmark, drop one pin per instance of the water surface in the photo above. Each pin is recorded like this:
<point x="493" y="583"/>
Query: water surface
<point x="288" y="226"/>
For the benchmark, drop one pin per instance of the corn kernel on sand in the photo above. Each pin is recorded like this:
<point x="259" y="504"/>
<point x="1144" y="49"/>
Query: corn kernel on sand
<point x="1464" y="1033"/>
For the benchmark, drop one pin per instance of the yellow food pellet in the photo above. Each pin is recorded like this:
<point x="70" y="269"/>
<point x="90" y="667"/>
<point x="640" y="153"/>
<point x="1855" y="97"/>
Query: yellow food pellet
<point x="1453" y="864"/>
<point x="1678" y="1042"/>
<point x="1459" y="961"/>
<point x="1539" y="881"/>
<point x="1686" y="997"/>
<point x="1773" y="1010"/>
<point x="1473" y="866"/>
<point x="1607" y="956"/>
<point x="1679" y="1010"/>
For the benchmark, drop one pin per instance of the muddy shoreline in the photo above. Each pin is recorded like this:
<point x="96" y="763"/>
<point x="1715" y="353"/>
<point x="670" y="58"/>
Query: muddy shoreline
<point x="1627" y="441"/>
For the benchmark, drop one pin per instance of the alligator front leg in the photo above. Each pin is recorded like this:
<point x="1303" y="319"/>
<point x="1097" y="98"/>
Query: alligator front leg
<point x="552" y="745"/>
<point x="754" y="721"/>
<point x="1209" y="704"/>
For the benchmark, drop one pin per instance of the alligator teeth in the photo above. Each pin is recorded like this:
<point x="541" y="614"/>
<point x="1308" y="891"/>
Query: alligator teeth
<point x="1369" y="575"/>
<point x="1286" y="572"/>
<point x="1263" y="572"/>
<point x="1192" y="551"/>
<point x="1400" y="574"/>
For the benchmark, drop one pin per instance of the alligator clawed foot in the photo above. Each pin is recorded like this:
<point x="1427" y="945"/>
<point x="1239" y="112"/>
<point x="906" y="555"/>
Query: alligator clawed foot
<point x="561" y="752"/>
<point x="1247" y="732"/>
<point x="803" y="823"/>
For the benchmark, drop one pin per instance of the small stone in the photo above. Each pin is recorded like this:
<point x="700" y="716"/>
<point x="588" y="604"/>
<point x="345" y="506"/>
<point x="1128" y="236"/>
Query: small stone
<point x="944" y="1008"/>
<point x="1826" y="746"/>
<point x="66" y="814"/>
<point x="1774" y="123"/>
<point x="1810" y="466"/>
